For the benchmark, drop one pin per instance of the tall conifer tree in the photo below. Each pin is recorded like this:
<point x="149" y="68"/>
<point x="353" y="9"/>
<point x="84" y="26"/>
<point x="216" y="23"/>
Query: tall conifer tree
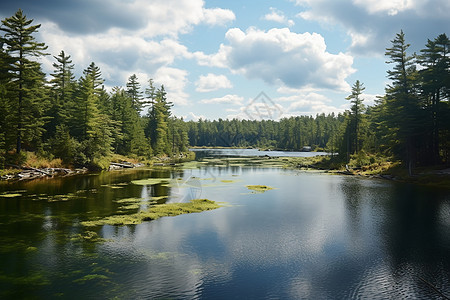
<point x="21" y="46"/>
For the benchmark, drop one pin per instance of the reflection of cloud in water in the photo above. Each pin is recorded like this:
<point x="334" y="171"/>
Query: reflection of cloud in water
<point x="312" y="237"/>
<point x="185" y="188"/>
<point x="155" y="270"/>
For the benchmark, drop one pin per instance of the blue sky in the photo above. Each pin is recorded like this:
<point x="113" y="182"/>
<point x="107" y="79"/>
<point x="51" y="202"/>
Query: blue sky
<point x="214" y="57"/>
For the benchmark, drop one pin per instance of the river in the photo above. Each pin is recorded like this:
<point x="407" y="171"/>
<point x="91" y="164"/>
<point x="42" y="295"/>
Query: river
<point x="313" y="236"/>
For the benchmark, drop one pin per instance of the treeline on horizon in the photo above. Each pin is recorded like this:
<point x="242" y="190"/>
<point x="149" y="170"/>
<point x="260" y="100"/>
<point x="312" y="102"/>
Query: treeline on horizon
<point x="411" y="122"/>
<point x="81" y="123"/>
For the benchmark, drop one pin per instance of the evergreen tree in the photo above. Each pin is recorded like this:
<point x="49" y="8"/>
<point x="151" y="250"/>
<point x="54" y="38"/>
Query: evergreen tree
<point x="402" y="102"/>
<point x="63" y="85"/>
<point x="135" y="93"/>
<point x="92" y="126"/>
<point x="21" y="46"/>
<point x="357" y="110"/>
<point x="434" y="77"/>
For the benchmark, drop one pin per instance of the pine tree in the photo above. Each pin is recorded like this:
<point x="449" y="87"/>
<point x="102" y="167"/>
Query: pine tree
<point x="402" y="102"/>
<point x="21" y="46"/>
<point x="134" y="92"/>
<point x="93" y="128"/>
<point x="435" y="60"/>
<point x="63" y="85"/>
<point x="357" y="110"/>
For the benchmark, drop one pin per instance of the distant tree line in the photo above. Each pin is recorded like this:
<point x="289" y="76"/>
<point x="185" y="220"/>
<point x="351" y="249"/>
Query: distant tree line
<point x="289" y="133"/>
<point x="76" y="120"/>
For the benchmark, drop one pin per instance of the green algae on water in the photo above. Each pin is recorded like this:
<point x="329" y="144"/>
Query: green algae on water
<point x="259" y="188"/>
<point x="129" y="200"/>
<point x="150" y="181"/>
<point x="10" y="195"/>
<point x="92" y="277"/>
<point x="156" y="212"/>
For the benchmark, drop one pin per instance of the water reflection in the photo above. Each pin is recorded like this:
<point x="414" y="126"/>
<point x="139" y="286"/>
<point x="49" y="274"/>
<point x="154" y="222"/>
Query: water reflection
<point x="313" y="236"/>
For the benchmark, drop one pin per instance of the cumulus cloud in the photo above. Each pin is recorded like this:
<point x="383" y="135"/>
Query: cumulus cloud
<point x="227" y="99"/>
<point x="218" y="16"/>
<point x="150" y="18"/>
<point x="278" y="16"/>
<point x="174" y="81"/>
<point x="193" y="117"/>
<point x="212" y="82"/>
<point x="307" y="102"/>
<point x="121" y="37"/>
<point x="280" y="56"/>
<point x="373" y="23"/>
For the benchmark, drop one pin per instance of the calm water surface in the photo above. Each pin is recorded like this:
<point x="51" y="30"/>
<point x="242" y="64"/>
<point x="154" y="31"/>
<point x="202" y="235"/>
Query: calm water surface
<point x="315" y="236"/>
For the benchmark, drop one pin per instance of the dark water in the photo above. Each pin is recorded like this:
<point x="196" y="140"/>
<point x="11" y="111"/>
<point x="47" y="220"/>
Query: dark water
<point x="314" y="236"/>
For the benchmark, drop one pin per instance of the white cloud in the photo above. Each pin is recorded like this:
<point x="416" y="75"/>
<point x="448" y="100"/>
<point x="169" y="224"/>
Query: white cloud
<point x="212" y="82"/>
<point x="174" y="81"/>
<point x="193" y="117"/>
<point x="142" y="39"/>
<point x="369" y="99"/>
<point x="391" y="7"/>
<point x="373" y="23"/>
<point x="227" y="99"/>
<point x="218" y="16"/>
<point x="308" y="103"/>
<point x="119" y="56"/>
<point x="280" y="56"/>
<point x="172" y="17"/>
<point x="278" y="16"/>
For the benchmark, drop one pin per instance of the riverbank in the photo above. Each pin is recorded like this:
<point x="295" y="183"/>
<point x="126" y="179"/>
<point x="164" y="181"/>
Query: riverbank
<point x="380" y="168"/>
<point x="35" y="167"/>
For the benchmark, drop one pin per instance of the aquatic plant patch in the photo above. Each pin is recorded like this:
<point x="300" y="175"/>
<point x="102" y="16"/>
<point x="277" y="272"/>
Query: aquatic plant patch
<point x="150" y="181"/>
<point x="156" y="212"/>
<point x="12" y="195"/>
<point x="259" y="188"/>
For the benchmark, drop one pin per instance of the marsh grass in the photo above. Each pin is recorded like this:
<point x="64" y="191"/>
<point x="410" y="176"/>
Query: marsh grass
<point x="156" y="212"/>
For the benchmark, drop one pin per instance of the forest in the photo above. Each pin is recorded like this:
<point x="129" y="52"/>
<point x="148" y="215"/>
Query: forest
<point x="82" y="124"/>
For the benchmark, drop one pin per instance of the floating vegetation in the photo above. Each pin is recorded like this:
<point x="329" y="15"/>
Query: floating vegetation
<point x="130" y="206"/>
<point x="11" y="195"/>
<point x="227" y="181"/>
<point x="113" y="186"/>
<point x="150" y="181"/>
<point x="259" y="188"/>
<point x="156" y="198"/>
<point x="90" y="236"/>
<point x="129" y="200"/>
<point x="34" y="279"/>
<point x="31" y="249"/>
<point x="92" y="277"/>
<point x="156" y="212"/>
<point x="192" y="164"/>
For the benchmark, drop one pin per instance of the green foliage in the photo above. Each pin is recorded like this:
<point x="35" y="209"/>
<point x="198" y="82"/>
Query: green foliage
<point x="26" y="81"/>
<point x="356" y="117"/>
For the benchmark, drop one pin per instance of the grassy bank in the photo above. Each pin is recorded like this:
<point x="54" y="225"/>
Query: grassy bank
<point x="375" y="166"/>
